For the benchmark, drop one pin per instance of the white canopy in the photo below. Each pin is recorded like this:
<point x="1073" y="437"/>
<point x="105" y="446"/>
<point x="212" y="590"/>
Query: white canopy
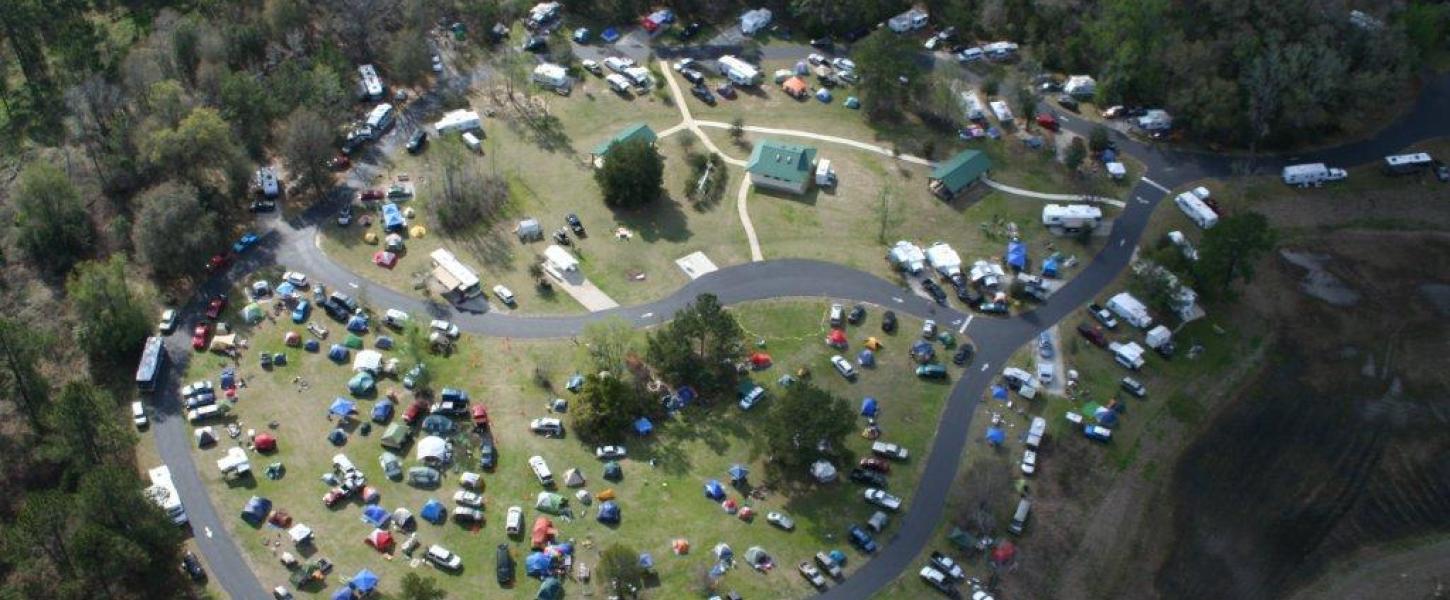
<point x="560" y="258"/>
<point x="823" y="471"/>
<point x="234" y="462"/>
<point x="368" y="360"/>
<point x="299" y="533"/>
<point x="432" y="448"/>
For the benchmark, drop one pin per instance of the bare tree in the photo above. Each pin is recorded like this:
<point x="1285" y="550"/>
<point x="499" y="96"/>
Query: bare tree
<point x="306" y="147"/>
<point x="1265" y="80"/>
<point x="361" y="22"/>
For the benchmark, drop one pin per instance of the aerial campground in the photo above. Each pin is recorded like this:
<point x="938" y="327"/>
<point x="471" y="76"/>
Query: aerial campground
<point x="765" y="300"/>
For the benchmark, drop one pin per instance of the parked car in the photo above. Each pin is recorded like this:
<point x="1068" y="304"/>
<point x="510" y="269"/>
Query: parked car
<point x="948" y="566"/>
<point x="417" y="141"/>
<point x="215" y="307"/>
<point x="504" y="295"/>
<point x="192" y="565"/>
<point x="443" y="558"/>
<point x="843" y="367"/>
<point x="928" y="329"/>
<point x="514" y="522"/>
<point x="934" y="290"/>
<point x="780" y="520"/>
<point x="592" y="66"/>
<point x="464" y="514"/>
<point x="547" y="426"/>
<point x="392" y="465"/>
<point x="881" y="498"/>
<point x="575" y="224"/>
<point x="937" y="579"/>
<point x="860" y="539"/>
<point x="1093" y="335"/>
<point x="875" y="464"/>
<point x="1097" y="432"/>
<point x="447" y="328"/>
<point x="848" y="76"/>
<point x="467" y="498"/>
<point x="503" y="564"/>
<point x="1029" y="462"/>
<point x="690" y="31"/>
<point x="811" y="574"/>
<point x="692" y="76"/>
<point x="964" y="354"/>
<point x="857" y="314"/>
<point x="245" y="242"/>
<point x="168" y="321"/>
<point x="1103" y="316"/>
<point x="843" y="64"/>
<point x="1067" y="101"/>
<point x="424" y="477"/>
<point x="891" y="451"/>
<point x="931" y="371"/>
<point x="138" y="414"/>
<point x="396" y="318"/>
<point x="703" y="93"/>
<point x="1132" y="386"/>
<point x="199" y="335"/>
<point x="1442" y="172"/>
<point x="815" y="59"/>
<point x="609" y="452"/>
<point x="864" y="477"/>
<point x="299" y="313"/>
<point x="1044" y="345"/>
<point x="487" y="453"/>
<point x="830" y="566"/>
<point x="726" y="90"/>
<point x="297" y="279"/>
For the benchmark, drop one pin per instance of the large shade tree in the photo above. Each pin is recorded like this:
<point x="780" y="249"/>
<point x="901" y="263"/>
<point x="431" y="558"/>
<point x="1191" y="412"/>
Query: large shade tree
<point x="632" y="175"/>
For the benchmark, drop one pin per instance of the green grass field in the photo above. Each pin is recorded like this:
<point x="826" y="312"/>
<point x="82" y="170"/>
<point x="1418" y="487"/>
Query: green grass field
<point x="660" y="494"/>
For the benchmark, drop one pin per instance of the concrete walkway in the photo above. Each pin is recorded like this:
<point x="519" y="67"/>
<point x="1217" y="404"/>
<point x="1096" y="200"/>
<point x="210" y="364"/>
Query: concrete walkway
<point x="1007" y="189"/>
<point x="582" y="290"/>
<point x="884" y="151"/>
<point x="742" y="206"/>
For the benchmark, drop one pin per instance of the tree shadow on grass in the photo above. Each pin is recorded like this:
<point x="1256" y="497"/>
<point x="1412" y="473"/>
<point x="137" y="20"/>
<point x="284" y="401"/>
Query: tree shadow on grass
<point x="660" y="220"/>
<point x="492" y="246"/>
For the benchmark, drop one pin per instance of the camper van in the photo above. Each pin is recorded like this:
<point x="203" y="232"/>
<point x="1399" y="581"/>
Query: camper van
<point x="738" y="71"/>
<point x="640" y="77"/>
<point x="1035" y="432"/>
<point x="380" y="119"/>
<point x="1314" y="174"/>
<point x="1072" y="217"/>
<point x="370" y="86"/>
<point x="1192" y="204"/>
<point x="541" y="471"/>
<point x="1404" y="164"/>
<point x="1130" y="309"/>
<point x="202" y="413"/>
<point x="618" y="83"/>
<point x="1002" y="111"/>
<point x="552" y="76"/>
<point x="1019" y="518"/>
<point x="972" y="105"/>
<point x="1129" y="354"/>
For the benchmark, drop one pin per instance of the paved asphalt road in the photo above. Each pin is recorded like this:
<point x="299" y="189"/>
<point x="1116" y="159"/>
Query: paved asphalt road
<point x="292" y="243"/>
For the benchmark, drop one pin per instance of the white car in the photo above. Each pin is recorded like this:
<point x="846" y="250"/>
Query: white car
<point x="882" y="499"/>
<point x="514" y="522"/>
<point x="447" y="328"/>
<point x="168" y="321"/>
<point x="396" y="318"/>
<point x="609" y="452"/>
<point x="780" y="520"/>
<point x="295" y="278"/>
<point x="138" y="414"/>
<point x="591" y="65"/>
<point x="838" y="314"/>
<point x="816" y="59"/>
<point x="928" y="329"/>
<point x="504" y="294"/>
<point x="1029" y="462"/>
<point x="683" y="64"/>
<point x="547" y="426"/>
<point x="843" y="64"/>
<point x="618" y="64"/>
<point x="443" y="558"/>
<point x="843" y="366"/>
<point x="437" y="64"/>
<point x="467" y="498"/>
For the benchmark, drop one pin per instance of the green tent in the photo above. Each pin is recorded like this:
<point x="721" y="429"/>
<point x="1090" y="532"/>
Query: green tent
<point x="252" y="313"/>
<point x="353" y="341"/>
<point x="361" y="384"/>
<point x="962" y="539"/>
<point x="550" y="502"/>
<point x="395" y="436"/>
<point x="550" y="589"/>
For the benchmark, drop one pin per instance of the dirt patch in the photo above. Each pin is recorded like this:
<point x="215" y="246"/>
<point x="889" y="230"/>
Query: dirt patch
<point x="1318" y="282"/>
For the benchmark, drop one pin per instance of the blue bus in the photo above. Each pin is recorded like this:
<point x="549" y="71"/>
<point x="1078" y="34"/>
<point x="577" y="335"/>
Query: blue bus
<point x="153" y="360"/>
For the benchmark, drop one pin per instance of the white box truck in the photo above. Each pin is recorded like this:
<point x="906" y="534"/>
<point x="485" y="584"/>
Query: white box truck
<point x="1198" y="211"/>
<point x="1312" y="174"/>
<point x="1130" y="309"/>
<point x="1035" y="432"/>
<point x="1129" y="354"/>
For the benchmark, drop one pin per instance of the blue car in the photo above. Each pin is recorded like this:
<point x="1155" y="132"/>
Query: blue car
<point x="247" y="240"/>
<point x="861" y="539"/>
<point x="299" y="314"/>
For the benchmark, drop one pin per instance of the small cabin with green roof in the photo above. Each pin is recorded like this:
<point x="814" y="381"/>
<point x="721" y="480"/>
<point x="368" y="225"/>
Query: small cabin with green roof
<point x="780" y="166"/>
<point x="954" y="175"/>
<point x="637" y="131"/>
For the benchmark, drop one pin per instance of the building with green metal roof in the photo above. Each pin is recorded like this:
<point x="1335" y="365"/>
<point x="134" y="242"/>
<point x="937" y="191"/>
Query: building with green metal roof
<point x="780" y="166"/>
<point x="958" y="173"/>
<point x="637" y="131"/>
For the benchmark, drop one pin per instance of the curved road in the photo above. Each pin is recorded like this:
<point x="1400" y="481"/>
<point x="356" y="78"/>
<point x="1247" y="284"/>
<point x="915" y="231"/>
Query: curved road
<point x="293" y="243"/>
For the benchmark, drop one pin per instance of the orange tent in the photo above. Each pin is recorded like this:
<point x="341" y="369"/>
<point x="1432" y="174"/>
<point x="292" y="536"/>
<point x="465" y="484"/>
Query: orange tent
<point x="795" y="86"/>
<point x="760" y="360"/>
<point x="543" y="531"/>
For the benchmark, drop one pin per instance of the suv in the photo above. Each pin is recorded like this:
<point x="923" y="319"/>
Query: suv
<point x="1103" y="316"/>
<point x="891" y="451"/>
<point x="843" y="367"/>
<point x="871" y="478"/>
<point x="447" y="328"/>
<point x="837" y="315"/>
<point x="1132" y="386"/>
<point x="443" y="558"/>
<point x="547" y="426"/>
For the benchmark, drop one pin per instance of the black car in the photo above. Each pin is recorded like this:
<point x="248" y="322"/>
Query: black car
<point x="1068" y="102"/>
<point x="868" y="478"/>
<point x="824" y="43"/>
<point x="192" y="566"/>
<point x="935" y="290"/>
<point x="535" y="43"/>
<point x="690" y="30"/>
<point x="416" y="143"/>
<point x="503" y="564"/>
<point x="966" y="293"/>
<point x="487" y="454"/>
<point x="888" y="321"/>
<point x="726" y="90"/>
<point x="1442" y="172"/>
<point x="963" y="354"/>
<point x="692" y="76"/>
<point x="335" y="309"/>
<point x="575" y="224"/>
<point x="858" y="314"/>
<point x="703" y="93"/>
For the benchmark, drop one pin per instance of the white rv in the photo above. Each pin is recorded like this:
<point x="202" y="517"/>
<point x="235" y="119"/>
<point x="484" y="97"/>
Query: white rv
<point x="1002" y="111"/>
<point x="738" y="71"/>
<point x="972" y="106"/>
<point x="1192" y="204"/>
<point x="553" y="76"/>
<point x="1130" y="354"/>
<point x="458" y="120"/>
<point x="618" y="83"/>
<point x="754" y="20"/>
<point x="1400" y="164"/>
<point x="1314" y="174"/>
<point x="381" y="118"/>
<point x="944" y="259"/>
<point x="1080" y="86"/>
<point x="1000" y="50"/>
<point x="1131" y="310"/>
<point x="163" y="493"/>
<point x="1072" y="217"/>
<point x="370" y="86"/>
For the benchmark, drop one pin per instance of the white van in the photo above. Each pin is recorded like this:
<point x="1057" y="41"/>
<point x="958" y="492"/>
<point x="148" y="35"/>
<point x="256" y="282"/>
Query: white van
<point x="1019" y="519"/>
<point x="1192" y="204"/>
<point x="202" y="413"/>
<point x="618" y="83"/>
<point x="541" y="471"/>
<point x="342" y="464"/>
<point x="472" y="141"/>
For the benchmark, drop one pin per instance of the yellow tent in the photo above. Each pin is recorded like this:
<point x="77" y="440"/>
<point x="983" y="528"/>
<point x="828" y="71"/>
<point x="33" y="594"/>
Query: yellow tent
<point x="370" y="237"/>
<point x="417" y="231"/>
<point x="224" y="343"/>
<point x="873" y="343"/>
<point x="607" y="494"/>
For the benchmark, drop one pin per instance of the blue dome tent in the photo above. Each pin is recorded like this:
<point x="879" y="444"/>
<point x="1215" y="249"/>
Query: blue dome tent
<point x="612" y="471"/>
<point x="376" y="515"/>
<point x="823" y="94"/>
<point x="866" y="358"/>
<point x="433" y="512"/>
<point x="738" y="473"/>
<point x="713" y="490"/>
<point x="1050" y="268"/>
<point x="365" y="581"/>
<point x="342" y="593"/>
<point x="643" y="426"/>
<point x="337" y="353"/>
<point x="608" y="512"/>
<point x="838" y="557"/>
<point x="342" y="407"/>
<point x="999" y="392"/>
<point x="868" y="407"/>
<point x="338" y="437"/>
<point x="1105" y="416"/>
<point x="382" y="411"/>
<point x="357" y="324"/>
<point x="995" y="436"/>
<point x="311" y="346"/>
<point x="1017" y="255"/>
<point x="256" y="510"/>
<point x="537" y="564"/>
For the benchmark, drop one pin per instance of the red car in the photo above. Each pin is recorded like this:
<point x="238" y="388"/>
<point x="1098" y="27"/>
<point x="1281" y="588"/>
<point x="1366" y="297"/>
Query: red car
<point x="875" y="464"/>
<point x="373" y="194"/>
<point x="198" y="336"/>
<point x="339" y="163"/>
<point x="1047" y="121"/>
<point x="218" y="262"/>
<point x="415" y="410"/>
<point x="480" y="415"/>
<point x="215" y="307"/>
<point x="1093" y="335"/>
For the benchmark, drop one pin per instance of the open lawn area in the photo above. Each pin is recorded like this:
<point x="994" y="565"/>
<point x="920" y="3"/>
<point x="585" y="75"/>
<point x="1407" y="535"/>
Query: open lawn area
<point x="659" y="495"/>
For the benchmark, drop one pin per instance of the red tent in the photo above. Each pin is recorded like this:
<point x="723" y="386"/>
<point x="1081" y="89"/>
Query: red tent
<point x="836" y="339"/>
<point x="1004" y="553"/>
<point x="379" y="539"/>
<point x="264" y="442"/>
<point x="543" y="531"/>
<point x="760" y="360"/>
<point x="385" y="259"/>
<point x="292" y="338"/>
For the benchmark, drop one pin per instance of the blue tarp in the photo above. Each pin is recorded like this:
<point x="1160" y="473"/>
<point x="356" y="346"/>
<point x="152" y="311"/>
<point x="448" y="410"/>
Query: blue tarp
<point x="646" y="561"/>
<point x="433" y="512"/>
<point x="392" y="217"/>
<point x="1017" y="254"/>
<point x="342" y="407"/>
<point x="868" y="407"/>
<point x="999" y="392"/>
<point x="365" y="581"/>
<point x="338" y="353"/>
<point x="375" y="515"/>
<point x="738" y="472"/>
<point x="866" y="357"/>
<point x="342" y="593"/>
<point x="383" y="411"/>
<point x="1049" y="267"/>
<point x="610" y="35"/>
<point x="537" y="564"/>
<point x="357" y="324"/>
<point x="713" y="490"/>
<point x="338" y="437"/>
<point x="608" y="512"/>
<point x="256" y="510"/>
<point x="995" y="436"/>
<point x="643" y="426"/>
